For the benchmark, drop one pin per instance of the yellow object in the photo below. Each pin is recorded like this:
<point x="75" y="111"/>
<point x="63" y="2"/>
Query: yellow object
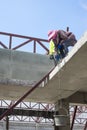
<point x="51" y="48"/>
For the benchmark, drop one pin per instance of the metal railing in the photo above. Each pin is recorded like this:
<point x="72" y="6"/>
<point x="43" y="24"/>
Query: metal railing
<point x="27" y="40"/>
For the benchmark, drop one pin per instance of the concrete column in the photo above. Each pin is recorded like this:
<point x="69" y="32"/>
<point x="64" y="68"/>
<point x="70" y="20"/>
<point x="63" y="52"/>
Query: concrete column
<point x="62" y="106"/>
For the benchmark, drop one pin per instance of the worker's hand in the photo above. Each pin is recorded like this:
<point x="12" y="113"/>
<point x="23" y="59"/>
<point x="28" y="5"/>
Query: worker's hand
<point x="51" y="57"/>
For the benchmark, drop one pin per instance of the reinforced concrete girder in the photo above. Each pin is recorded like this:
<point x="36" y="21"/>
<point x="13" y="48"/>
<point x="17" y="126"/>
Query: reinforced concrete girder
<point x="78" y="98"/>
<point x="67" y="78"/>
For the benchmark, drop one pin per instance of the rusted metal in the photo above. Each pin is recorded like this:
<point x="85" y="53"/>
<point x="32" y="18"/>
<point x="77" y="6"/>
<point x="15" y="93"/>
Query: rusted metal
<point x="73" y="119"/>
<point x="22" y="44"/>
<point x="7" y="123"/>
<point x="21" y="36"/>
<point x="27" y="41"/>
<point x="4" y="46"/>
<point x="43" y="46"/>
<point x="34" y="47"/>
<point x="10" y="42"/>
<point x="28" y="110"/>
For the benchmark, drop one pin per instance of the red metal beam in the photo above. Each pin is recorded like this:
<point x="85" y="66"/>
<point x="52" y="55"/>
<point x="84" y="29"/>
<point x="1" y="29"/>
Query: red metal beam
<point x="21" y="36"/>
<point x="28" y="39"/>
<point x="43" y="46"/>
<point x="3" y="45"/>
<point x="22" y="44"/>
<point x="10" y="42"/>
<point x="7" y="123"/>
<point x="73" y="119"/>
<point x="34" y="49"/>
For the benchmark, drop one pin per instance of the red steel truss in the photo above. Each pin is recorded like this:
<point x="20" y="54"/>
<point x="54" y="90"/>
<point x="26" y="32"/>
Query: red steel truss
<point x="78" y="112"/>
<point x="12" y="41"/>
<point x="28" y="106"/>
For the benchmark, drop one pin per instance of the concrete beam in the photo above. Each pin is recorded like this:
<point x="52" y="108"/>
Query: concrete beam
<point x="78" y="98"/>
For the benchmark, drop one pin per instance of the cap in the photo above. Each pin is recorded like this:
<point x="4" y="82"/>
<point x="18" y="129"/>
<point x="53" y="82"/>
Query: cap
<point x="52" y="34"/>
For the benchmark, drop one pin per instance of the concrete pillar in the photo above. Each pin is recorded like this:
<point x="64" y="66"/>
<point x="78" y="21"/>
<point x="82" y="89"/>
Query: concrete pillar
<point x="62" y="106"/>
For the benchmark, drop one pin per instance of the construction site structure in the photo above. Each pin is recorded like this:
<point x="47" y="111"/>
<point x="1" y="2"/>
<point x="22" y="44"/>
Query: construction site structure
<point x="32" y="78"/>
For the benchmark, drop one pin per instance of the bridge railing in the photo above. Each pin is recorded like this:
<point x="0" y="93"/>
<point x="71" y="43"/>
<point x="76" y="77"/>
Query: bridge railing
<point x="26" y="40"/>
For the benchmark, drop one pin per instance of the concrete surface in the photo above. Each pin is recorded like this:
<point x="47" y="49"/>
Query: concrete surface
<point x="67" y="78"/>
<point x="26" y="126"/>
<point x="23" y="65"/>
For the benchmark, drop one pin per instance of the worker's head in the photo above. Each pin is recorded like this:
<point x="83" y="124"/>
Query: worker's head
<point x="52" y="34"/>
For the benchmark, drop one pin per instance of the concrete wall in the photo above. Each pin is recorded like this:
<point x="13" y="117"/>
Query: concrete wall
<point x="33" y="126"/>
<point x="23" y="65"/>
<point x="25" y="126"/>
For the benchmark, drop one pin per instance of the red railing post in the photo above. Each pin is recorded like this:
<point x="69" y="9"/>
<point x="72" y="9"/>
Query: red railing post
<point x="27" y="41"/>
<point x="73" y="119"/>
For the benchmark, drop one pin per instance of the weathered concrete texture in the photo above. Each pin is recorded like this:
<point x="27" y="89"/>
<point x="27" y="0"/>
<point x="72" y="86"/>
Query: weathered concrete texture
<point x="22" y="67"/>
<point x="26" y="126"/>
<point x="33" y="126"/>
<point x="67" y="78"/>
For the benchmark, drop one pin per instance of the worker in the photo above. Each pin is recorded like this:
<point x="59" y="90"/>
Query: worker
<point x="71" y="41"/>
<point x="52" y="42"/>
<point x="59" y="41"/>
<point x="56" y="49"/>
<point x="53" y="50"/>
<point x="65" y="40"/>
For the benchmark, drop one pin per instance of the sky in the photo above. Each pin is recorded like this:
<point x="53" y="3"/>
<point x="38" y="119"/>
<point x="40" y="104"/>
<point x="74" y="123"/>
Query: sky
<point x="35" y="18"/>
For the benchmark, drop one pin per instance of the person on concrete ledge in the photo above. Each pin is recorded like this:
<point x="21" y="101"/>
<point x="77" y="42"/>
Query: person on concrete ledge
<point x="56" y="49"/>
<point x="59" y="42"/>
<point x="66" y="39"/>
<point x="53" y="50"/>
